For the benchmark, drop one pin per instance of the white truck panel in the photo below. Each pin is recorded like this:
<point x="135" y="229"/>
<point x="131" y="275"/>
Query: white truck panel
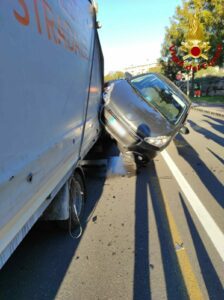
<point x="92" y="124"/>
<point x="46" y="59"/>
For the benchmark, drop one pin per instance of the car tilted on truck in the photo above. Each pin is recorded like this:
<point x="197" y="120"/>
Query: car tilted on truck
<point x="51" y="82"/>
<point x="144" y="113"/>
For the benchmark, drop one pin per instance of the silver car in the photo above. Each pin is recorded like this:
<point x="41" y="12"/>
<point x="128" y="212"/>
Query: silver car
<point x="143" y="114"/>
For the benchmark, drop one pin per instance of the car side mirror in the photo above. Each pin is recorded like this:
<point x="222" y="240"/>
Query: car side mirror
<point x="95" y="6"/>
<point x="98" y="25"/>
<point x="127" y="76"/>
<point x="184" y="130"/>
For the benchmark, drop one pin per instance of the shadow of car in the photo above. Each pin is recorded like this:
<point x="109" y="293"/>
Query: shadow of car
<point x="143" y="114"/>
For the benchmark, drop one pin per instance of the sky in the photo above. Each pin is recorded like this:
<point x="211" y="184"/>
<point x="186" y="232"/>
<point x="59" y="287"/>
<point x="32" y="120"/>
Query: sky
<point x="132" y="31"/>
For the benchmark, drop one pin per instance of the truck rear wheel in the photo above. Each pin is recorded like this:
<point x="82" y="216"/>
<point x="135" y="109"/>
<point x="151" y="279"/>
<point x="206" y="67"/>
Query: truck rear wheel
<point x="77" y="200"/>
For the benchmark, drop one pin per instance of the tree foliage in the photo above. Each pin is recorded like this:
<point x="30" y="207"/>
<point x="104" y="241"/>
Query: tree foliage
<point x="114" y="76"/>
<point x="210" y="14"/>
<point x="157" y="69"/>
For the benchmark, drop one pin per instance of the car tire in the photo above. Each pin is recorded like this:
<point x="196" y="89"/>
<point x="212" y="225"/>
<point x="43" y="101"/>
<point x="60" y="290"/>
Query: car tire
<point x="132" y="158"/>
<point x="129" y="161"/>
<point x="141" y="163"/>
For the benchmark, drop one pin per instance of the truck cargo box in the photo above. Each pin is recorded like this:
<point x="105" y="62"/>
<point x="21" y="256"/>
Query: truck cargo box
<point x="50" y="93"/>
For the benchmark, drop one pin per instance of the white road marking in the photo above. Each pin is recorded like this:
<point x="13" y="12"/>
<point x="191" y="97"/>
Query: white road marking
<point x="210" y="226"/>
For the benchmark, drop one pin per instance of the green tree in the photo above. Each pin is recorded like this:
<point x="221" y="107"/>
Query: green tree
<point x="210" y="16"/>
<point x="114" y="76"/>
<point x="157" y="69"/>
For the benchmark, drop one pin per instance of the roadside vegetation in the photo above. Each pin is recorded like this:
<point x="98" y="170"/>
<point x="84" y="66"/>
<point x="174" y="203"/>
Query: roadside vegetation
<point x="208" y="99"/>
<point x="209" y="15"/>
<point x="210" y="71"/>
<point x="114" y="76"/>
<point x="208" y="28"/>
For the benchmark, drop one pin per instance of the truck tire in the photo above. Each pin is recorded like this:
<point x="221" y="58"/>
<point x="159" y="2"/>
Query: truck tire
<point x="77" y="200"/>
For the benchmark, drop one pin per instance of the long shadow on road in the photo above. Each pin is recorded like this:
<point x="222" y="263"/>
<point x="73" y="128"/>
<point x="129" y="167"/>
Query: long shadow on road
<point x="216" y="155"/>
<point x="39" y="265"/>
<point x="148" y="180"/>
<point x="209" y="180"/>
<point x="175" y="285"/>
<point x="218" y="125"/>
<point x="142" y="263"/>
<point x="217" y="120"/>
<point x="211" y="279"/>
<point x="207" y="134"/>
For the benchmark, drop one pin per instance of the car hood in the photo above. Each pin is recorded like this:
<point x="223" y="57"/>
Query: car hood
<point x="130" y="108"/>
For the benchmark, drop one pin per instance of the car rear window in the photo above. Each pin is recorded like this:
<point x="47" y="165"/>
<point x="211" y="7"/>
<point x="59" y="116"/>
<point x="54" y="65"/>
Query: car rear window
<point x="158" y="94"/>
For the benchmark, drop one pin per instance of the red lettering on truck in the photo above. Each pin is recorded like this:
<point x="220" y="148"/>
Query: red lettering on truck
<point x="24" y="20"/>
<point x="49" y="22"/>
<point x="37" y="16"/>
<point x="61" y="33"/>
<point x="58" y="30"/>
<point x="72" y="43"/>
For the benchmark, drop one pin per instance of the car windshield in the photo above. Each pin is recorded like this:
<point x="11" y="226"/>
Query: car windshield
<point x="158" y="94"/>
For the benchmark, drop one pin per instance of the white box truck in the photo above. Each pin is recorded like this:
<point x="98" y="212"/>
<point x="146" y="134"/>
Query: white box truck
<point x="51" y="79"/>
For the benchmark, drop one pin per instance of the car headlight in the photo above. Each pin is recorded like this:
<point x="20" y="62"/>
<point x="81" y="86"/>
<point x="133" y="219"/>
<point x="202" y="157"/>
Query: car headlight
<point x="159" y="141"/>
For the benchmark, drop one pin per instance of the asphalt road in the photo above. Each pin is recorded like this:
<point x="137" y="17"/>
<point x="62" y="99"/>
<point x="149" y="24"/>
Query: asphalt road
<point x="157" y="235"/>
